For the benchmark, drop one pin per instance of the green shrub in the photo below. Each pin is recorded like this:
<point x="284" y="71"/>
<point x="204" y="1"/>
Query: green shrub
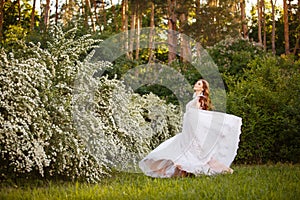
<point x="267" y="97"/>
<point x="232" y="55"/>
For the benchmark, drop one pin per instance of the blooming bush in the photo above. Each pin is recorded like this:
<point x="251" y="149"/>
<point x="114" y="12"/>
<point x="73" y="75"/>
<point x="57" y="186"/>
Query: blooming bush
<point x="49" y="129"/>
<point x="120" y="127"/>
<point x="25" y="126"/>
<point x="232" y="55"/>
<point x="37" y="133"/>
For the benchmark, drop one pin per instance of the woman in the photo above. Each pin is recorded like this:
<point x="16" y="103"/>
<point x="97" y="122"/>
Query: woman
<point x="207" y="144"/>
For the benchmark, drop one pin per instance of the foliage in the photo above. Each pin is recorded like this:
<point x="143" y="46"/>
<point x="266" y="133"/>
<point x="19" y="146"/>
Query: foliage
<point x="293" y="18"/>
<point x="14" y="33"/>
<point x="122" y="65"/>
<point x="38" y="136"/>
<point x="16" y="20"/>
<point x="125" y="126"/>
<point x="267" y="97"/>
<point x="233" y="54"/>
<point x="247" y="182"/>
<point x="214" y="22"/>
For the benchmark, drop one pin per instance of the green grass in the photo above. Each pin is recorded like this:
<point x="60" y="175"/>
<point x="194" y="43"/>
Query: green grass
<point x="281" y="181"/>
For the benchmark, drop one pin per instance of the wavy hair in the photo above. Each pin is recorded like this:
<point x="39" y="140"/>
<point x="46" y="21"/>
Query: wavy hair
<point x="204" y="100"/>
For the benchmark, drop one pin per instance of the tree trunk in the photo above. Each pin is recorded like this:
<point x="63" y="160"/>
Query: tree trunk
<point x="19" y="12"/>
<point x="90" y="14"/>
<point x="113" y="10"/>
<point x="138" y="31"/>
<point x="198" y="6"/>
<point x="264" y="24"/>
<point x="259" y="18"/>
<point x="32" y="16"/>
<point x="124" y="15"/>
<point x="56" y="12"/>
<point x="85" y="15"/>
<point x="151" y="34"/>
<point x="273" y="27"/>
<point x="286" y="28"/>
<point x="243" y="19"/>
<point x="47" y="15"/>
<point x="104" y="16"/>
<point x="1" y="18"/>
<point x="96" y="14"/>
<point x="133" y="19"/>
<point x="171" y="28"/>
<point x="212" y="3"/>
<point x="298" y="37"/>
<point x="184" y="48"/>
<point x="125" y="25"/>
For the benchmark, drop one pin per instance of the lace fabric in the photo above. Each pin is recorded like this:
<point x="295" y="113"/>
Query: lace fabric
<point x="207" y="145"/>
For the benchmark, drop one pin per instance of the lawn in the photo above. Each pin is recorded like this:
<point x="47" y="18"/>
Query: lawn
<point x="280" y="181"/>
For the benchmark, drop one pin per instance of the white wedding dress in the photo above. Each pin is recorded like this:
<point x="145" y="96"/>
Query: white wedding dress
<point x="208" y="143"/>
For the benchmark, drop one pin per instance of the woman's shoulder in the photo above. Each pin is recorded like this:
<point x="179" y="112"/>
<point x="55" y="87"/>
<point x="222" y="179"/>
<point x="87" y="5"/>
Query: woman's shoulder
<point x="192" y="103"/>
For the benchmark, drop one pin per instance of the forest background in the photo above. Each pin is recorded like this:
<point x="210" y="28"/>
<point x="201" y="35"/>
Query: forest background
<point x="42" y="51"/>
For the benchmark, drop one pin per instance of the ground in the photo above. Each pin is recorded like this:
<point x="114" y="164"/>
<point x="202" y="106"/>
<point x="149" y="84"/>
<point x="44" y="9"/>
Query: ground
<point x="280" y="181"/>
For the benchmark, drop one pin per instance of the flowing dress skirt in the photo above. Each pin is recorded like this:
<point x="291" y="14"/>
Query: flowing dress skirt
<point x="208" y="142"/>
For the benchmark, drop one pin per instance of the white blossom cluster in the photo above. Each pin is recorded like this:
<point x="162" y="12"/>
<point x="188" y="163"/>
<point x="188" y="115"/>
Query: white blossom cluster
<point x="37" y="135"/>
<point x="230" y="49"/>
<point x="122" y="127"/>
<point x="25" y="129"/>
<point x="45" y="132"/>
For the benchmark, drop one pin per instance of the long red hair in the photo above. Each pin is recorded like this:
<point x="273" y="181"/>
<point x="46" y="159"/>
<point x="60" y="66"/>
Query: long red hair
<point x="204" y="99"/>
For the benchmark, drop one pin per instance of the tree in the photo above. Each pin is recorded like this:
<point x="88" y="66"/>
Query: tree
<point x="151" y="33"/>
<point x="95" y="12"/>
<point x="259" y="14"/>
<point x="183" y="10"/>
<point x="1" y="17"/>
<point x="286" y="28"/>
<point x="298" y="27"/>
<point x="16" y="19"/>
<point x="172" y="19"/>
<point x="32" y="15"/>
<point x="56" y="12"/>
<point x="99" y="10"/>
<point x="243" y="19"/>
<point x="125" y="24"/>
<point x="89" y="13"/>
<point x="133" y="9"/>
<point x="273" y="27"/>
<point x="138" y="29"/>
<point x="47" y="15"/>
<point x="276" y="26"/>
<point x="19" y="12"/>
<point x="113" y="10"/>
<point x="213" y="21"/>
<point x="264" y="24"/>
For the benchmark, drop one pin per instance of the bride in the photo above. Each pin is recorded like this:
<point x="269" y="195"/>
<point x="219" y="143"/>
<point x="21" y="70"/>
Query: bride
<point x="207" y="144"/>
